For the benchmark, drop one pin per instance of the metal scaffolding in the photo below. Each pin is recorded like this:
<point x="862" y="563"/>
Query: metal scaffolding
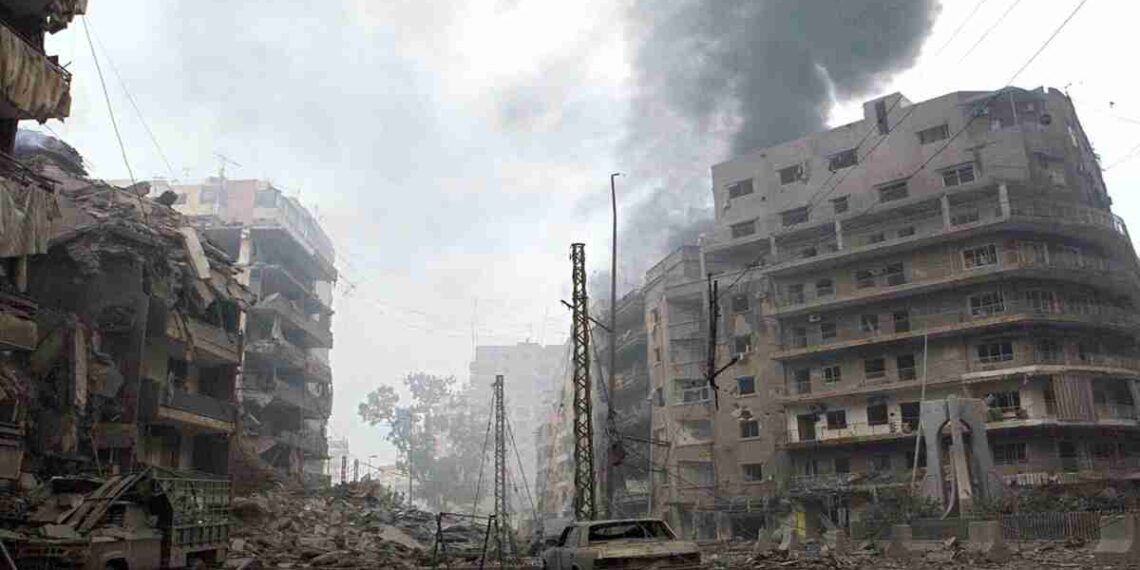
<point x="584" y="507"/>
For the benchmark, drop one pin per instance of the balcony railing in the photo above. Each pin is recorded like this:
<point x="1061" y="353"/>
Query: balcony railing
<point x="823" y="433"/>
<point x="316" y="330"/>
<point x="203" y="336"/>
<point x="798" y="340"/>
<point x="312" y="443"/>
<point x="37" y="87"/>
<point x="950" y="269"/>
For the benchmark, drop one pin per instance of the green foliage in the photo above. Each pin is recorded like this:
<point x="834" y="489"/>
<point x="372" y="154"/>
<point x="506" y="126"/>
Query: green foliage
<point x="444" y="440"/>
<point x="1054" y="498"/>
<point x="899" y="506"/>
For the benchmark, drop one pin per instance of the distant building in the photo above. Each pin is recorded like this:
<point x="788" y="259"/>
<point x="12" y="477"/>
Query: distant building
<point x="287" y="260"/>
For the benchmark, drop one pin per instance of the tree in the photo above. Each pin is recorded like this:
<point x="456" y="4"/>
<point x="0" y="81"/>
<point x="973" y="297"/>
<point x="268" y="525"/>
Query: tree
<point x="440" y="430"/>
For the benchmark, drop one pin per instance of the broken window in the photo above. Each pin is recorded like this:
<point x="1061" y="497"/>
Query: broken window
<point x="864" y="278"/>
<point x="999" y="351"/>
<point x="746" y="385"/>
<point x="906" y="231"/>
<point x="827" y="331"/>
<point x="824" y="288"/>
<point x="741" y="188"/>
<point x="794" y="216"/>
<point x="794" y="173"/>
<point x="749" y="428"/>
<point x="740" y="303"/>
<point x="905" y="365"/>
<point x="743" y="229"/>
<point x="802" y="379"/>
<point x="696" y="473"/>
<point x="874" y="368"/>
<point x="893" y="191"/>
<point x="796" y="293"/>
<point x="691" y="391"/>
<point x="880" y="463"/>
<point x="697" y="430"/>
<point x="809" y="252"/>
<point x="958" y="175"/>
<point x="265" y="198"/>
<point x="902" y="321"/>
<point x="1040" y="300"/>
<point x="843" y="159"/>
<point x="799" y="337"/>
<point x="877" y="237"/>
<point x="910" y="413"/>
<point x="842" y="465"/>
<point x="895" y="274"/>
<point x="869" y="323"/>
<point x="877" y="415"/>
<point x="1048" y="350"/>
<point x="839" y="204"/>
<point x="656" y="354"/>
<point x="1010" y="453"/>
<point x="837" y="419"/>
<point x="753" y="471"/>
<point x="986" y="304"/>
<point x="742" y="344"/>
<point x="979" y="256"/>
<point x="934" y="134"/>
<point x="832" y="374"/>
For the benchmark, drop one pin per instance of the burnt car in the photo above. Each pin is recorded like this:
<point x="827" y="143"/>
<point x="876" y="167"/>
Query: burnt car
<point x="626" y="543"/>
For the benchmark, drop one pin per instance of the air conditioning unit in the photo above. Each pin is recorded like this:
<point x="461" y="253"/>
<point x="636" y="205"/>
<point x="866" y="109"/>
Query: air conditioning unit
<point x="815" y="318"/>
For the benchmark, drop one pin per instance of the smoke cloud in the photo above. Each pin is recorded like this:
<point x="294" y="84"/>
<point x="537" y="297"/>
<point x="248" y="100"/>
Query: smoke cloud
<point x="718" y="78"/>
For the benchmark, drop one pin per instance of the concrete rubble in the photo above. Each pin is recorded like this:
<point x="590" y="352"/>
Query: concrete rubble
<point x="358" y="525"/>
<point x="947" y="555"/>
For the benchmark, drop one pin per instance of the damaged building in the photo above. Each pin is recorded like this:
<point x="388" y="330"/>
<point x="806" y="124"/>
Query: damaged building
<point x="287" y="262"/>
<point x="957" y="247"/>
<point x="134" y="353"/>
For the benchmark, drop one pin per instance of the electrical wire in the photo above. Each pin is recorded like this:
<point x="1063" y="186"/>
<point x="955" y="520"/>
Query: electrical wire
<point x="131" y="99"/>
<point x="986" y="33"/>
<point x="482" y="464"/>
<point x="110" y="109"/>
<point x="961" y="26"/>
<point x="522" y="472"/>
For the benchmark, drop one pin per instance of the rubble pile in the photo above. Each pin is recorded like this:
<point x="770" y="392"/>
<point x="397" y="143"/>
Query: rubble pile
<point x="358" y="525"/>
<point x="951" y="555"/>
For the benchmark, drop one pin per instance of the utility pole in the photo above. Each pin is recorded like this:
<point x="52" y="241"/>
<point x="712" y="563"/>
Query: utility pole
<point x="584" y="507"/>
<point x="711" y="371"/>
<point x="344" y="469"/>
<point x="502" y="506"/>
<point x="611" y="375"/>
<point x="355" y="470"/>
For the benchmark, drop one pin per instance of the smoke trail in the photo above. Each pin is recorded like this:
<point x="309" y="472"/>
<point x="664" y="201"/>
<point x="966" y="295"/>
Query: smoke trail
<point x="717" y="78"/>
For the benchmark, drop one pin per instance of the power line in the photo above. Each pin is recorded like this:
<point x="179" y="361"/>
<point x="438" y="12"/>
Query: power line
<point x="131" y="99"/>
<point x="986" y="33"/>
<point x="960" y="27"/>
<point x="110" y="110"/>
<point x="1047" y="42"/>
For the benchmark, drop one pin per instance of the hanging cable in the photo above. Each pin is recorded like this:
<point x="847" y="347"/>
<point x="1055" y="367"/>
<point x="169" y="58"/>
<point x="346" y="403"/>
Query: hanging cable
<point x="107" y="98"/>
<point x="482" y="464"/>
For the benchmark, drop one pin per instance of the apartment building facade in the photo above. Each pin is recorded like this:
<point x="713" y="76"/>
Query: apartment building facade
<point x="962" y="245"/>
<point x="288" y="262"/>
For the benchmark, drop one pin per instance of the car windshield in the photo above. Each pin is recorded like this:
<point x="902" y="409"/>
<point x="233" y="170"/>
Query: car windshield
<point x="629" y="530"/>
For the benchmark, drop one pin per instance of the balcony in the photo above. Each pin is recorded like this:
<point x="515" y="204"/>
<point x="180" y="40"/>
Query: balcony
<point x="954" y="372"/>
<point x="18" y="328"/>
<point x="844" y="434"/>
<point x="1026" y="212"/>
<point x="176" y="406"/>
<point x="1068" y="470"/>
<point x="301" y="398"/>
<point x="689" y="330"/>
<point x="831" y="482"/>
<point x="949" y="272"/>
<point x="1005" y="313"/>
<point x="285" y="355"/>
<point x="33" y="86"/>
<point x="311" y="443"/>
<point x="210" y="343"/>
<point x="317" y="333"/>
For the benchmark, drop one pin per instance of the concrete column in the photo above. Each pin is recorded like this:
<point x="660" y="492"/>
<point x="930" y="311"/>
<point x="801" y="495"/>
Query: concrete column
<point x="1118" y="539"/>
<point x="1003" y="199"/>
<point x="945" y="203"/>
<point x="901" y="538"/>
<point x="985" y="538"/>
<point x="839" y="234"/>
<point x="1134" y="389"/>
<point x="932" y="418"/>
<point x="965" y="489"/>
<point x="772" y="247"/>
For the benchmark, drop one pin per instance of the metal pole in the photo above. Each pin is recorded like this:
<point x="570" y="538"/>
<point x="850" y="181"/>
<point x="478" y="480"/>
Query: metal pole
<point x="584" y="504"/>
<point x="411" y="443"/>
<point x="613" y="348"/>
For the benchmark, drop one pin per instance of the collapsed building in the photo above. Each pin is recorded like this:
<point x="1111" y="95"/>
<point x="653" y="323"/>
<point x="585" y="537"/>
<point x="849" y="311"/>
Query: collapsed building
<point x="287" y="262"/>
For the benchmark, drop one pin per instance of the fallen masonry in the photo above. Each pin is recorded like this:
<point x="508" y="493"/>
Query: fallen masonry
<point x="358" y="525"/>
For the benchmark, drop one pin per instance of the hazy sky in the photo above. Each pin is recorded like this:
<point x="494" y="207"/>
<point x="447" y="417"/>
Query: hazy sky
<point x="454" y="149"/>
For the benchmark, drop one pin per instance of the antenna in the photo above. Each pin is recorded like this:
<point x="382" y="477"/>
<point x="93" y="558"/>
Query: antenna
<point x="223" y="160"/>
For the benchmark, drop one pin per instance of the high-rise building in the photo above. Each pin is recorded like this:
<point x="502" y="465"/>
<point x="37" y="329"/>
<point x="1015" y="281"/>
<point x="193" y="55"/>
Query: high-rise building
<point x="287" y="261"/>
<point x="958" y="246"/>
